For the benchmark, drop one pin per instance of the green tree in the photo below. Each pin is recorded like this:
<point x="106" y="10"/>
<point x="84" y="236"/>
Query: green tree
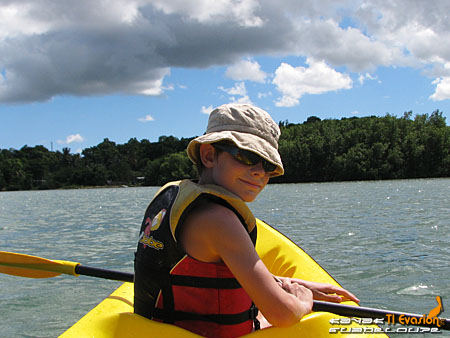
<point x="176" y="166"/>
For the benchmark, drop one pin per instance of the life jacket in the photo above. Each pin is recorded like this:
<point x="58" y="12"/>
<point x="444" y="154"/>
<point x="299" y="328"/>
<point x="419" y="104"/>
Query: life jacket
<point x="171" y="286"/>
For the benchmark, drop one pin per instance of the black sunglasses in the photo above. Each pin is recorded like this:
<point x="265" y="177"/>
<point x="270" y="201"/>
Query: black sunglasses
<point x="246" y="157"/>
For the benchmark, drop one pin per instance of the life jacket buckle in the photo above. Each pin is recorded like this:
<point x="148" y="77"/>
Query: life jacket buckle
<point x="253" y="312"/>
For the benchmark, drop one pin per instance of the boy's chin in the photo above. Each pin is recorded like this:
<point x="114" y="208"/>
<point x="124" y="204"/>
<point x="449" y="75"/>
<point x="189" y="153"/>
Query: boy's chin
<point x="249" y="197"/>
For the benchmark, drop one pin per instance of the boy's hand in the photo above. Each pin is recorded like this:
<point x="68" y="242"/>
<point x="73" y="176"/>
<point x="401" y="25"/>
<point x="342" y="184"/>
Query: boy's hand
<point x="304" y="295"/>
<point x="323" y="291"/>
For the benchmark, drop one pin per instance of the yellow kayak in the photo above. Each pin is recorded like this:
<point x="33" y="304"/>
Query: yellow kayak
<point x="114" y="316"/>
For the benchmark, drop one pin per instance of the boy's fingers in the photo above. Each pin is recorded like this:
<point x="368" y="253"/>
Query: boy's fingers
<point x="344" y="294"/>
<point x="335" y="298"/>
<point x="349" y="296"/>
<point x="327" y="297"/>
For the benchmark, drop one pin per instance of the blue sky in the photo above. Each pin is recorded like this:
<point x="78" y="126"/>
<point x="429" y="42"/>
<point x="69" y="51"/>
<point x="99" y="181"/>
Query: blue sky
<point x="74" y="73"/>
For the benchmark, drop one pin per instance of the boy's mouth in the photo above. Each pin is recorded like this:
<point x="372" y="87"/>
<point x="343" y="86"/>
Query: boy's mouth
<point x="253" y="184"/>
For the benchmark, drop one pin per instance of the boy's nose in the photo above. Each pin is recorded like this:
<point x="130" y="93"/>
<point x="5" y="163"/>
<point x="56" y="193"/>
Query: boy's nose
<point x="258" y="169"/>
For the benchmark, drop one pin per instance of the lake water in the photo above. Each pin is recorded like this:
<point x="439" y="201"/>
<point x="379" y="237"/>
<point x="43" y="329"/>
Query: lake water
<point x="386" y="241"/>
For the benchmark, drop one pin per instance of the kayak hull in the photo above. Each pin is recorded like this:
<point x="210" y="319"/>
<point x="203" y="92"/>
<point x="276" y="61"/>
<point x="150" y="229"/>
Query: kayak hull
<point x="114" y="316"/>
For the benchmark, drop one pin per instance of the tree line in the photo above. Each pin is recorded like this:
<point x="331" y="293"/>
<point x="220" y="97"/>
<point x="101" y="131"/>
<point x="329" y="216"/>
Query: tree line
<point x="367" y="148"/>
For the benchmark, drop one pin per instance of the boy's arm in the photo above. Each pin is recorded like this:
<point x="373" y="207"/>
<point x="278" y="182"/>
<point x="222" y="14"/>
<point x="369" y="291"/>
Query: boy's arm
<point x="215" y="233"/>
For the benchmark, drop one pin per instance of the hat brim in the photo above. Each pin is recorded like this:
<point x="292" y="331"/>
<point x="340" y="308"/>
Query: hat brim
<point x="244" y="141"/>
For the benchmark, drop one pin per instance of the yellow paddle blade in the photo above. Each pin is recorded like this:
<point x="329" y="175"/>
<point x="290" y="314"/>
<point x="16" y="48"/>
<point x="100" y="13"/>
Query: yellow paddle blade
<point x="34" y="267"/>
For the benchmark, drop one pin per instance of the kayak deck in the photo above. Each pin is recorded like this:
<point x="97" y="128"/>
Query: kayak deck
<point x="114" y="316"/>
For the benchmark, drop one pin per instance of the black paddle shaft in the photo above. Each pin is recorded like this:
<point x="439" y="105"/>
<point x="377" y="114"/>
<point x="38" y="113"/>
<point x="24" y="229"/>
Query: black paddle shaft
<point x="103" y="273"/>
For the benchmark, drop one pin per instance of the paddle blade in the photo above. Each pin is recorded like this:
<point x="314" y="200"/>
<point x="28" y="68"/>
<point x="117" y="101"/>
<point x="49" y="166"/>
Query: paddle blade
<point x="34" y="267"/>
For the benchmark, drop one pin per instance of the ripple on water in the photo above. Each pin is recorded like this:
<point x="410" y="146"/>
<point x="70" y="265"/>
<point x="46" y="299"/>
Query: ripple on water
<point x="417" y="290"/>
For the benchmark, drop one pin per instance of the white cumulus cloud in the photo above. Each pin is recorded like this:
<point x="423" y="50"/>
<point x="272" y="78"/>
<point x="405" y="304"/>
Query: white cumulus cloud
<point x="442" y="89"/>
<point x="73" y="138"/>
<point x="363" y="77"/>
<point x="207" y="110"/>
<point x="318" y="78"/>
<point x="246" y="70"/>
<point x="240" y="90"/>
<point x="146" y="118"/>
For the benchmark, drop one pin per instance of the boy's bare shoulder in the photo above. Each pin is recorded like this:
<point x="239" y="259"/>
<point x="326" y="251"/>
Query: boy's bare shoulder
<point x="211" y="214"/>
<point x="206" y="229"/>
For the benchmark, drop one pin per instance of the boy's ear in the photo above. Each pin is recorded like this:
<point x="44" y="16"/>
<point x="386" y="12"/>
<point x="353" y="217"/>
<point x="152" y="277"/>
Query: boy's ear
<point x="207" y="155"/>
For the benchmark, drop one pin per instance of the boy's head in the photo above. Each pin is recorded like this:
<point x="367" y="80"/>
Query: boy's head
<point x="246" y="126"/>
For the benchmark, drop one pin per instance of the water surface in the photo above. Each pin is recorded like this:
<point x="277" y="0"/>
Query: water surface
<point x="386" y="241"/>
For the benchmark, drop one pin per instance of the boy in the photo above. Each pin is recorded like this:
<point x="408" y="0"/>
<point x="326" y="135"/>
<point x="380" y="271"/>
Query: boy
<point x="196" y="265"/>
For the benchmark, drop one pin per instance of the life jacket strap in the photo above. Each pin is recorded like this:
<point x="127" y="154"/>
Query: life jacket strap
<point x="221" y="319"/>
<point x="205" y="282"/>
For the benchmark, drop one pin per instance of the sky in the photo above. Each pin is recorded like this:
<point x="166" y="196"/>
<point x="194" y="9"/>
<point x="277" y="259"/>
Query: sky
<point x="73" y="73"/>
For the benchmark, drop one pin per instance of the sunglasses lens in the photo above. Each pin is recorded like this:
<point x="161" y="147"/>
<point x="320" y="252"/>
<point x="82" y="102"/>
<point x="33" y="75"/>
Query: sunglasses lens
<point x="269" y="167"/>
<point x="250" y="158"/>
<point x="246" y="157"/>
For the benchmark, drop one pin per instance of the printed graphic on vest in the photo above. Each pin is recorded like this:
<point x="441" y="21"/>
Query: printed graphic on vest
<point x="431" y="323"/>
<point x="151" y="225"/>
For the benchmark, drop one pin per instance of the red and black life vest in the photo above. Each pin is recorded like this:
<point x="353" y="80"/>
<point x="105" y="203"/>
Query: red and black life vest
<point x="171" y="286"/>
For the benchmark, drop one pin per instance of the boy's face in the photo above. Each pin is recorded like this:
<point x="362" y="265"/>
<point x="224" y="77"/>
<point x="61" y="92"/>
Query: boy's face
<point x="242" y="180"/>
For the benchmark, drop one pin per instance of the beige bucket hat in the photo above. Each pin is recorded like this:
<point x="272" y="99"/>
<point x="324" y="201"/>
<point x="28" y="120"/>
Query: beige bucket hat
<point x="249" y="127"/>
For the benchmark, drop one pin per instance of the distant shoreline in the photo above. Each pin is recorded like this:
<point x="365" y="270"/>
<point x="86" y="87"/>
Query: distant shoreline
<point x="349" y="149"/>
